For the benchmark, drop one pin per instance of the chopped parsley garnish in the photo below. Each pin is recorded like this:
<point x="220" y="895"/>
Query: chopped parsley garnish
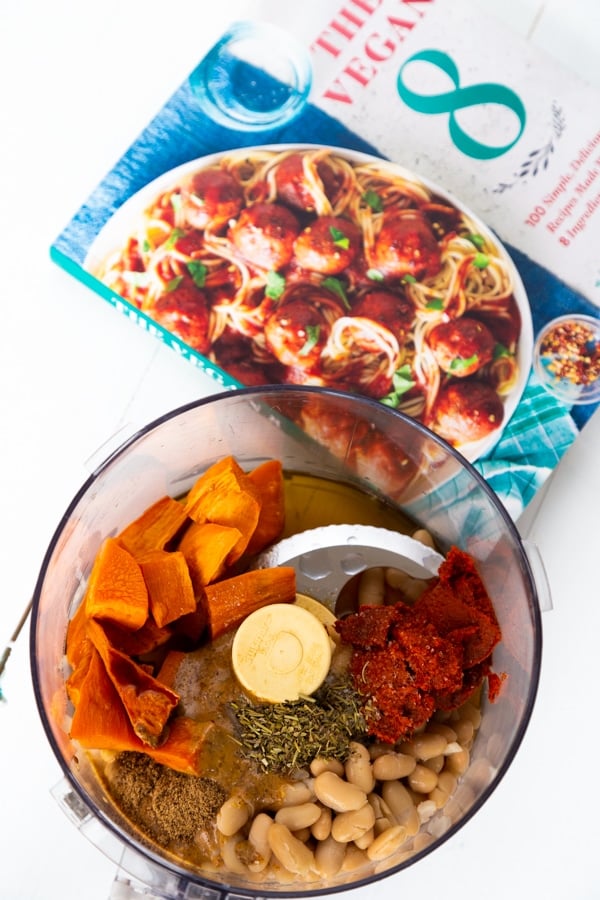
<point x="174" y="283"/>
<point x="173" y="238"/>
<point x="275" y="285"/>
<point x="336" y="287"/>
<point x="312" y="336"/>
<point x="402" y="382"/>
<point x="500" y="350"/>
<point x="460" y="363"/>
<point x="409" y="279"/>
<point x="373" y="200"/>
<point x="339" y="238"/>
<point x="198" y="272"/>
<point x="435" y="304"/>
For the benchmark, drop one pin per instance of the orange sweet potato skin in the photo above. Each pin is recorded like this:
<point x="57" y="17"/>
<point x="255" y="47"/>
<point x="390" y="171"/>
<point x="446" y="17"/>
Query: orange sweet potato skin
<point x="101" y="723"/>
<point x="147" y="702"/>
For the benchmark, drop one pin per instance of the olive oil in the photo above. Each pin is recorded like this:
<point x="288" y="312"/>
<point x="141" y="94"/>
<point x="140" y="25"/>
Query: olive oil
<point x="311" y="502"/>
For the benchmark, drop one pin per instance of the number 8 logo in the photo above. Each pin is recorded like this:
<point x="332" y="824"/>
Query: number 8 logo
<point x="461" y="98"/>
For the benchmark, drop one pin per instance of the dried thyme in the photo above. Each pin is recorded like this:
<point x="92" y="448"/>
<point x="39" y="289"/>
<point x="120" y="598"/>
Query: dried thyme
<point x="280" y="737"/>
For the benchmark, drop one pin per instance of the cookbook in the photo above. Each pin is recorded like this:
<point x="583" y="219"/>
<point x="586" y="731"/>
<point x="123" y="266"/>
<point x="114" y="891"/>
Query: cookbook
<point x="424" y="231"/>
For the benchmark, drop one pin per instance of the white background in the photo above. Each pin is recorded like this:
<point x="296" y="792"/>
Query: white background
<point x="78" y="81"/>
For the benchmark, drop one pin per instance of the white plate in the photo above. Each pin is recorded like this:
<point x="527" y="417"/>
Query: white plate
<point x="128" y="217"/>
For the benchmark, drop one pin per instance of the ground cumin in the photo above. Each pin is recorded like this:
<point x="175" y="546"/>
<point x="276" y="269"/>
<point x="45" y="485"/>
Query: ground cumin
<point x="166" y="805"/>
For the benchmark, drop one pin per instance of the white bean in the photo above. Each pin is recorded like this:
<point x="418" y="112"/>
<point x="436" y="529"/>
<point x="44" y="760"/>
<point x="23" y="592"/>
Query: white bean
<point x="411" y="588"/>
<point x="472" y="713"/>
<point x="322" y="827"/>
<point x="426" y="809"/>
<point x="320" y="764"/>
<point x="387" y="842"/>
<point x="351" y="825"/>
<point x="453" y="747"/>
<point x="366" y="839"/>
<point x="391" y="766"/>
<point x="354" y="858"/>
<point x="257" y="837"/>
<point x="296" y="817"/>
<point x="399" y="800"/>
<point x="424" y="537"/>
<point x="337" y="794"/>
<point x="380" y="807"/>
<point x="232" y="816"/>
<point x="458" y="763"/>
<point x="303" y="834"/>
<point x="293" y="855"/>
<point x="436" y="763"/>
<point x="426" y="745"/>
<point x="464" y="729"/>
<point x="297" y="792"/>
<point x="439" y="796"/>
<point x="382" y="823"/>
<point x="329" y="856"/>
<point x="422" y="779"/>
<point x="371" y="587"/>
<point x="230" y="858"/>
<point x="378" y="749"/>
<point x="447" y="782"/>
<point x="442" y="728"/>
<point x="358" y="767"/>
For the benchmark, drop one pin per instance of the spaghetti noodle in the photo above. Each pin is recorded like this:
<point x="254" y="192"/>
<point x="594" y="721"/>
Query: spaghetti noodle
<point x="301" y="266"/>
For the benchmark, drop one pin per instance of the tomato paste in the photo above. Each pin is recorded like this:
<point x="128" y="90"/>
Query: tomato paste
<point x="410" y="660"/>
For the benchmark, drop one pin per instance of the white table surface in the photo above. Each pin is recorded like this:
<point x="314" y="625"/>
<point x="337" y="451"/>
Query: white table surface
<point x="73" y="373"/>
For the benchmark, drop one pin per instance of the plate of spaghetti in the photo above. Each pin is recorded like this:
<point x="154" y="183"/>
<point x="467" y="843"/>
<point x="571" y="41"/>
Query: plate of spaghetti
<point x="320" y="266"/>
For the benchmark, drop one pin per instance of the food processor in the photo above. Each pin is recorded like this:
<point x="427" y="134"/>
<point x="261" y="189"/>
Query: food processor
<point x="337" y="439"/>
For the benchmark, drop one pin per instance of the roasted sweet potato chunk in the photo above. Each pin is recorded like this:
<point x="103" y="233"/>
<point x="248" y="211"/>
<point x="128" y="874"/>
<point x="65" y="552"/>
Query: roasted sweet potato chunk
<point x="153" y="530"/>
<point x="206" y="549"/>
<point x="170" y="589"/>
<point x="268" y="479"/>
<point x="228" y="602"/>
<point x="116" y="590"/>
<point x="225" y="495"/>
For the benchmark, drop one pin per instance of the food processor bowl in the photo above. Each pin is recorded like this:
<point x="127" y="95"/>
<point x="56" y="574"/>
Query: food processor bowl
<point x="340" y="439"/>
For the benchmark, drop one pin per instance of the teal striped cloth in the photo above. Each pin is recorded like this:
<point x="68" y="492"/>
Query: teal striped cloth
<point x="540" y="431"/>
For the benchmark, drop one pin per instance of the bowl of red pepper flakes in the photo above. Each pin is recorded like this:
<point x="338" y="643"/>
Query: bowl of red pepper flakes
<point x="566" y="359"/>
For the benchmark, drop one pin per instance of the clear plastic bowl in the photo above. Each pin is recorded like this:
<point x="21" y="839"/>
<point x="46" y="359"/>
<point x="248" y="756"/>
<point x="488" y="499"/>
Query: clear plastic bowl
<point x="256" y="77"/>
<point x="566" y="359"/>
<point x="334" y="436"/>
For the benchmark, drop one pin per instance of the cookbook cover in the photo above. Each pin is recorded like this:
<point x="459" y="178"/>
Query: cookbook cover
<point x="409" y="235"/>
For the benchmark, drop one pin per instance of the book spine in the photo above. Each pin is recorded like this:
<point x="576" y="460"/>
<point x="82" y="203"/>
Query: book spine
<point x="140" y="318"/>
